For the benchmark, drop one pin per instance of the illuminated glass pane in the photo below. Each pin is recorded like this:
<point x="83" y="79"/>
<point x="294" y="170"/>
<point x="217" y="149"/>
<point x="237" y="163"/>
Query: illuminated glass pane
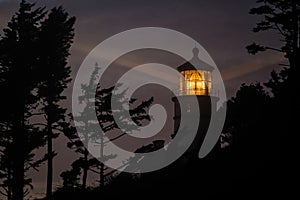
<point x="195" y="82"/>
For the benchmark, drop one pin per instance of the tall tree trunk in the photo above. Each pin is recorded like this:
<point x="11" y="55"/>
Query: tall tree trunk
<point x="18" y="159"/>
<point x="9" y="178"/>
<point x="9" y="175"/>
<point x="85" y="168"/>
<point x="295" y="22"/>
<point x="50" y="162"/>
<point x="101" y="164"/>
<point x="18" y="179"/>
<point x="101" y="174"/>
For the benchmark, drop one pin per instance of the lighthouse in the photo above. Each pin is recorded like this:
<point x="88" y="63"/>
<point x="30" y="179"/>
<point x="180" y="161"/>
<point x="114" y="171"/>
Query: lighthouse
<point x="196" y="80"/>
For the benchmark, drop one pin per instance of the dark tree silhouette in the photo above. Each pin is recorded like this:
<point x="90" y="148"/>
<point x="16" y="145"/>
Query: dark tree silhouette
<point x="18" y="61"/>
<point x="102" y="103"/>
<point x="251" y="143"/>
<point x="260" y="126"/>
<point x="5" y="160"/>
<point x="281" y="16"/>
<point x="71" y="177"/>
<point x="85" y="162"/>
<point x="56" y="37"/>
<point x="248" y="111"/>
<point x="284" y="18"/>
<point x="33" y="74"/>
<point x="106" y="118"/>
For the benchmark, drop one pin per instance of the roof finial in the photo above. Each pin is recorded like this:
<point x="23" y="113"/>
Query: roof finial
<point x="195" y="51"/>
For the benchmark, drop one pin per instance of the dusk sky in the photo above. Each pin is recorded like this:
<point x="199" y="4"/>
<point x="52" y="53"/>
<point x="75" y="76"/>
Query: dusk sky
<point x="223" y="28"/>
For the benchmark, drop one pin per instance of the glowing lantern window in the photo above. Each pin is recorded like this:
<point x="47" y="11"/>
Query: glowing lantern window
<point x="195" y="82"/>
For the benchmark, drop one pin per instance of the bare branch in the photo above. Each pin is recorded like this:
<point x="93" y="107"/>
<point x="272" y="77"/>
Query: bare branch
<point x="279" y="29"/>
<point x="39" y="124"/>
<point x="274" y="49"/>
<point x="110" y="173"/>
<point x="57" y="129"/>
<point x="3" y="193"/>
<point x="33" y="114"/>
<point x="117" y="137"/>
<point x="286" y="65"/>
<point x="92" y="170"/>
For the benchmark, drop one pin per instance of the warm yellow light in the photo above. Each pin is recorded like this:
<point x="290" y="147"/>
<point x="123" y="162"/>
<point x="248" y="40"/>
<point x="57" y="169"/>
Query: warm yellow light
<point x="195" y="82"/>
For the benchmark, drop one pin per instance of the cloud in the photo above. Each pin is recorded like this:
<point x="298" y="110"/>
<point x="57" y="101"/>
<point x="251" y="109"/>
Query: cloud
<point x="244" y="68"/>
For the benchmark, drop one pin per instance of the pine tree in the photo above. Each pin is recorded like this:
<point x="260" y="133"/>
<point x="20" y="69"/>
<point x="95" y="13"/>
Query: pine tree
<point x="101" y="104"/>
<point x="19" y="76"/>
<point x="56" y="37"/>
<point x="33" y="75"/>
<point x="283" y="18"/>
